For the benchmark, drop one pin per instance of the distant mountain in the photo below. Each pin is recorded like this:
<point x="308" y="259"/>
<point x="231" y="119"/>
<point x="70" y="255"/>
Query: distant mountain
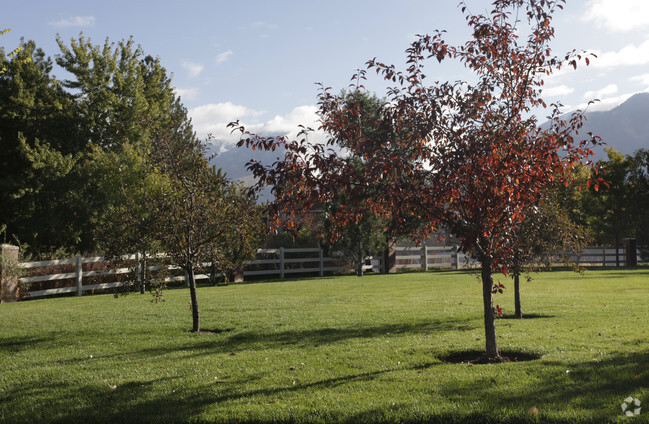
<point x="233" y="160"/>
<point x="625" y="128"/>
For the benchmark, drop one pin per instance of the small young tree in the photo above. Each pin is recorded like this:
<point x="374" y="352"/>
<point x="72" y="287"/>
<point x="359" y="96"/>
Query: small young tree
<point x="166" y="199"/>
<point x="545" y="233"/>
<point x="203" y="212"/>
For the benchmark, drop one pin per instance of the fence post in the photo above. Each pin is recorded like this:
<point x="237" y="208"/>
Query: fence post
<point x="321" y="259"/>
<point x="456" y="253"/>
<point x="424" y="257"/>
<point x="9" y="275"/>
<point x="281" y="262"/>
<point x="79" y="275"/>
<point x="604" y="256"/>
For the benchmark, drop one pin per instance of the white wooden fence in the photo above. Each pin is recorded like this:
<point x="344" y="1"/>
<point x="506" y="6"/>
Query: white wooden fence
<point x="298" y="261"/>
<point x="77" y="275"/>
<point x="284" y="261"/>
<point x="449" y="257"/>
<point x="272" y="262"/>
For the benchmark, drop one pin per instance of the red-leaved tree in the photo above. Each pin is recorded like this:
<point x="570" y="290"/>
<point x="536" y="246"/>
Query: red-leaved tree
<point x="465" y="156"/>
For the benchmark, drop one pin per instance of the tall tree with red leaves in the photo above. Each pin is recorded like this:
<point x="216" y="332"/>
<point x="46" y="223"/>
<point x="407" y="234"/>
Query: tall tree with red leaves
<point x="465" y="156"/>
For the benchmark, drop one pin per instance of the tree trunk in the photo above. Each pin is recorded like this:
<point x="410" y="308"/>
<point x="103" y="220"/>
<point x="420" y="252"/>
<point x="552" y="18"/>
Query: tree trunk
<point x="491" y="345"/>
<point x="196" y="319"/>
<point x="359" y="261"/>
<point x="143" y="274"/>
<point x="517" y="295"/>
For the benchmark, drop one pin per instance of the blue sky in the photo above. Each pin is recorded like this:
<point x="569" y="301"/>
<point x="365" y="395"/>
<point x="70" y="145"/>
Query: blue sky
<point x="258" y="61"/>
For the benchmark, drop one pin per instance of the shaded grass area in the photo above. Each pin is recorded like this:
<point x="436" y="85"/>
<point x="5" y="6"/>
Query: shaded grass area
<point x="342" y="349"/>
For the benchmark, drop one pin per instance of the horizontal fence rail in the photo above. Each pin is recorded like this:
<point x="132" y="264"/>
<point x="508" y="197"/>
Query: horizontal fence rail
<point x="289" y="261"/>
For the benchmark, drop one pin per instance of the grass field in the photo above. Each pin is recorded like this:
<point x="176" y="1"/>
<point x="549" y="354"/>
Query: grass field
<point x="342" y="349"/>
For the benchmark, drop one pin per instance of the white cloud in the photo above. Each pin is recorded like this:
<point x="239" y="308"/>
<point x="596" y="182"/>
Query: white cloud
<point x="186" y="93"/>
<point x="304" y="115"/>
<point x="618" y="15"/>
<point x="601" y="93"/>
<point x="567" y="71"/>
<point x="213" y="119"/>
<point x="194" y="69"/>
<point x="75" y="21"/>
<point x="642" y="79"/>
<point x="223" y="57"/>
<point x="221" y="112"/>
<point x="560" y="90"/>
<point x="628" y="56"/>
<point x="606" y="103"/>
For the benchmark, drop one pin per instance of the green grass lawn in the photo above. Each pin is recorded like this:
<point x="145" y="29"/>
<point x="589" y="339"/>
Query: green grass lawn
<point x="342" y="349"/>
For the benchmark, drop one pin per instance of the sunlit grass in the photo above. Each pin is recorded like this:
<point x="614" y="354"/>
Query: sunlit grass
<point x="342" y="349"/>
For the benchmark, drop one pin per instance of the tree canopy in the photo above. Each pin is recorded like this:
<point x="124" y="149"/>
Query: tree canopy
<point x="52" y="133"/>
<point x="467" y="156"/>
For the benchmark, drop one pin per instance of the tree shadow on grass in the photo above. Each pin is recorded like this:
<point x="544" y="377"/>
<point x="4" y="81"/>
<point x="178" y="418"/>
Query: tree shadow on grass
<point x="230" y="341"/>
<point x="20" y="343"/>
<point x="590" y="392"/>
<point x="133" y="402"/>
<point x="595" y="388"/>
<point x="474" y="356"/>
<point x="313" y="337"/>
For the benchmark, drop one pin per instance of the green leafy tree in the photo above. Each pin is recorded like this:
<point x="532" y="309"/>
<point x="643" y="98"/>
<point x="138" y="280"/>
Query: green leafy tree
<point x="362" y="235"/>
<point x="116" y="88"/>
<point x="51" y="192"/>
<point x="358" y="239"/>
<point x="11" y="53"/>
<point x="639" y="180"/>
<point x="36" y="126"/>
<point x="611" y="209"/>
<point x="131" y="188"/>
<point x="168" y="200"/>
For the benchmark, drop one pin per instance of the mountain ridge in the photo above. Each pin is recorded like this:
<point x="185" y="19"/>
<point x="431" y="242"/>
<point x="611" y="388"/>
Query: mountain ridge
<point x="624" y="128"/>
